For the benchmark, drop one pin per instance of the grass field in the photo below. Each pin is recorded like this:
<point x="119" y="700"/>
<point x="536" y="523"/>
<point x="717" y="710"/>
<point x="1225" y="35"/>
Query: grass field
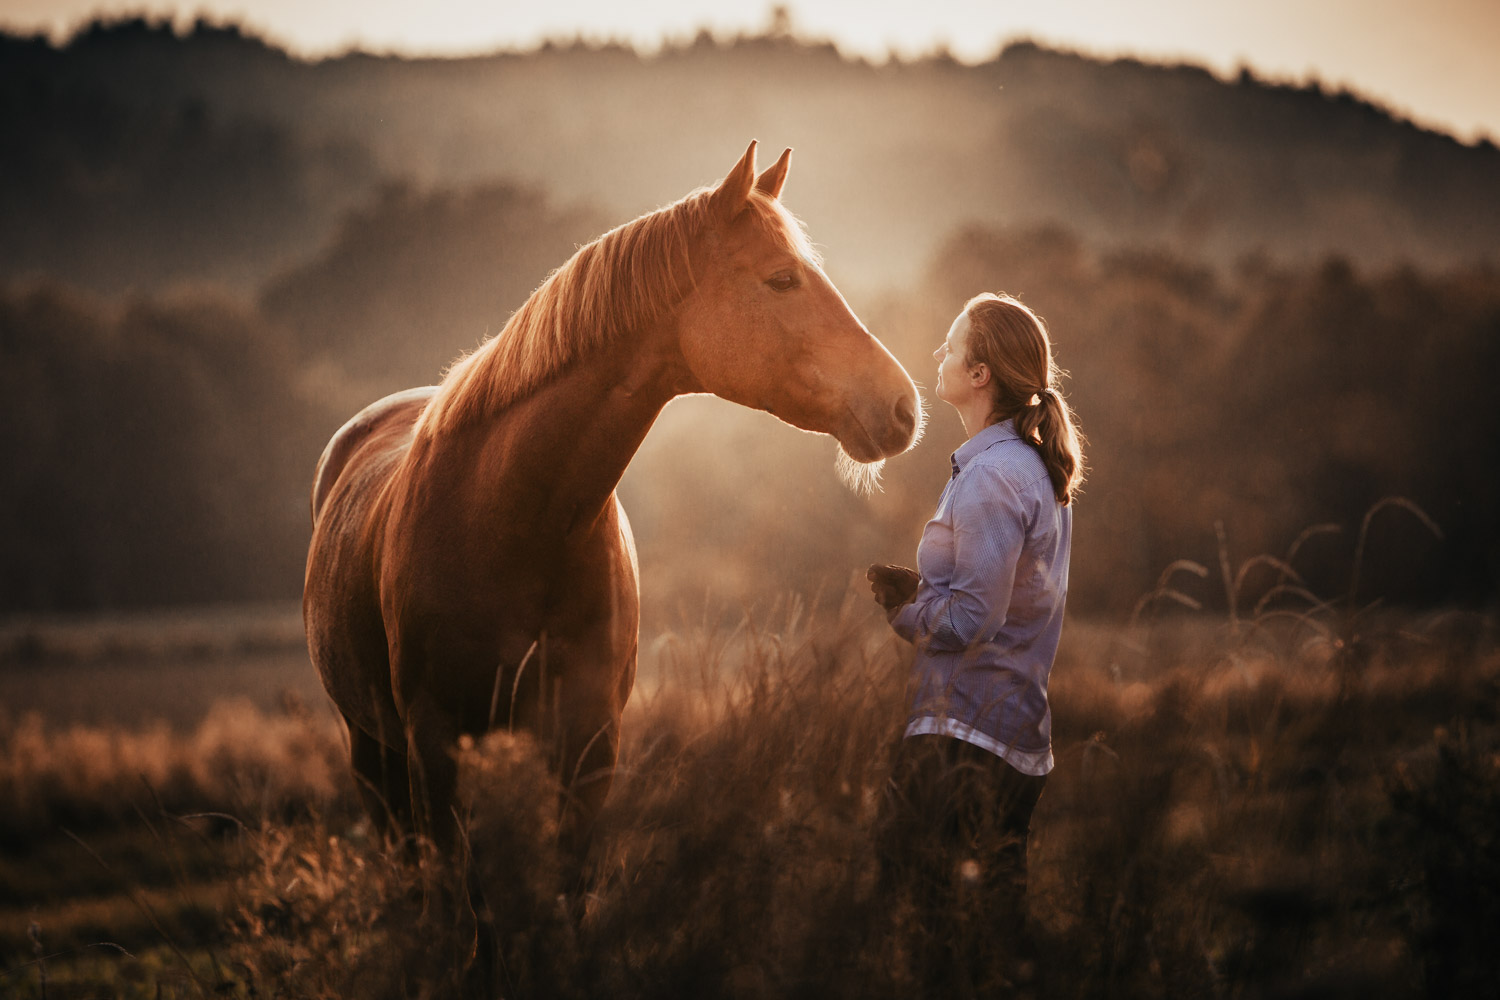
<point x="1281" y="805"/>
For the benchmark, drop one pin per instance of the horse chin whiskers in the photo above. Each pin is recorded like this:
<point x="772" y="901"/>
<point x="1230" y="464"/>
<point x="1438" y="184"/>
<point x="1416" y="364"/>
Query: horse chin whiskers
<point x="921" y="428"/>
<point x="863" y="478"/>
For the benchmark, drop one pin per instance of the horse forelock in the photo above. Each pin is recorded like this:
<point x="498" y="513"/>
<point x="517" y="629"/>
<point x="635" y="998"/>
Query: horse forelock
<point x="634" y="275"/>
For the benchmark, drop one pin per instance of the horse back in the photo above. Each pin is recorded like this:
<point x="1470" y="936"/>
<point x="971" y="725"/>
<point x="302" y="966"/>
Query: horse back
<point x="400" y="409"/>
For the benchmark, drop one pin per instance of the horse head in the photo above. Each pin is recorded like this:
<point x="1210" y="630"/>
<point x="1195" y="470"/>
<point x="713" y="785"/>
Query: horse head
<point x="764" y="327"/>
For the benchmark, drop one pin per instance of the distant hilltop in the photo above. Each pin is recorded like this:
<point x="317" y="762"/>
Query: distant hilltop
<point x="136" y="157"/>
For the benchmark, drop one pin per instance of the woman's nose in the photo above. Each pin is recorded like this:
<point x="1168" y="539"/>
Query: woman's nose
<point x="937" y="355"/>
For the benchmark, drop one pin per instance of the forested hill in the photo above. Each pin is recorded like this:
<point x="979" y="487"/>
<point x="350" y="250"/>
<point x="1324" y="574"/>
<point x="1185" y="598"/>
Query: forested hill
<point x="135" y="157"/>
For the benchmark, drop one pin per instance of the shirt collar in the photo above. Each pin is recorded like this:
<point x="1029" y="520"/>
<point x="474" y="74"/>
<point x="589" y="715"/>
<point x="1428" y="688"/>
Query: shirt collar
<point x="987" y="437"/>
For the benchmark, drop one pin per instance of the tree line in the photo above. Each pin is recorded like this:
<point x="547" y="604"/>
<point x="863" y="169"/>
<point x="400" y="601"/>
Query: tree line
<point x="159" y="446"/>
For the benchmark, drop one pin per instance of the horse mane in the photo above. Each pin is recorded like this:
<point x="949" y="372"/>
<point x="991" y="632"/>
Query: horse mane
<point x="634" y="275"/>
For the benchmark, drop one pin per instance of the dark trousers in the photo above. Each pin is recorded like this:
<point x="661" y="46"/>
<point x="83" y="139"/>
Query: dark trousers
<point x="952" y="846"/>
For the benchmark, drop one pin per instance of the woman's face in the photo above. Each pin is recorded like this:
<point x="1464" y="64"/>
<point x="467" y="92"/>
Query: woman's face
<point x="954" y="385"/>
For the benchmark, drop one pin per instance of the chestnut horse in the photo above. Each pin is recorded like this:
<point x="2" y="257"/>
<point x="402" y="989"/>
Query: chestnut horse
<point x="470" y="565"/>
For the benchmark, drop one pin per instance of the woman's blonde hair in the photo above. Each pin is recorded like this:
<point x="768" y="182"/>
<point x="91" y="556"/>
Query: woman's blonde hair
<point x="1011" y="340"/>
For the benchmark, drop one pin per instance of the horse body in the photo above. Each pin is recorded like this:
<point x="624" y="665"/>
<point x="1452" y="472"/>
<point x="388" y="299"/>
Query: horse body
<point x="471" y="566"/>
<point x="430" y="582"/>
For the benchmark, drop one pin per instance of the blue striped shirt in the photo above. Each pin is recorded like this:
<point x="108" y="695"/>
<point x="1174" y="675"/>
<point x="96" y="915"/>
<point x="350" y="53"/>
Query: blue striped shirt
<point x="988" y="613"/>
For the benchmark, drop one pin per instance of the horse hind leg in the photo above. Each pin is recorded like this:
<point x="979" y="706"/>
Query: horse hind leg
<point x="380" y="774"/>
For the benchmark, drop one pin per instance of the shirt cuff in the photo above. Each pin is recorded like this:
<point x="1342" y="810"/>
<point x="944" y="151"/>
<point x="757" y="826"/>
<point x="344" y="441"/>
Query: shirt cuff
<point x="905" y="621"/>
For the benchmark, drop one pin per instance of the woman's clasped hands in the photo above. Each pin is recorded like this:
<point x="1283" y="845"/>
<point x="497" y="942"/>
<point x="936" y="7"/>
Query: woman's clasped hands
<point x="893" y="586"/>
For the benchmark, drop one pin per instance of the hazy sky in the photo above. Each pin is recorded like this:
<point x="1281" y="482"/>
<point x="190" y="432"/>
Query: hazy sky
<point x="1433" y="60"/>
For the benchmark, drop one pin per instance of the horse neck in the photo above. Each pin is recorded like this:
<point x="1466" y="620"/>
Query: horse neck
<point x="554" y="457"/>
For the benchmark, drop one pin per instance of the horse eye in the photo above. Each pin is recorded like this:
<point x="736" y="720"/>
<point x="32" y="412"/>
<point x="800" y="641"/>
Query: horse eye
<point x="783" y="281"/>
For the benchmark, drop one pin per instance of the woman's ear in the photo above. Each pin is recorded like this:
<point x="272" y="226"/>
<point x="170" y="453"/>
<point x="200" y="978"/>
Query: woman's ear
<point x="979" y="375"/>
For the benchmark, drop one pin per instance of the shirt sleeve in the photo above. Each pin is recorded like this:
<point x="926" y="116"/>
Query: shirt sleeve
<point x="989" y="530"/>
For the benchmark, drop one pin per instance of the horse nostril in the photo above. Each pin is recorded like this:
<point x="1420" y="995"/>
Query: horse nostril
<point x="906" y="413"/>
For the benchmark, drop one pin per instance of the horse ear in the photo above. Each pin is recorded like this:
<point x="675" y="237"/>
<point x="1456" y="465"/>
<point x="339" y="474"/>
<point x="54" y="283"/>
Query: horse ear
<point x="772" y="181"/>
<point x="734" y="190"/>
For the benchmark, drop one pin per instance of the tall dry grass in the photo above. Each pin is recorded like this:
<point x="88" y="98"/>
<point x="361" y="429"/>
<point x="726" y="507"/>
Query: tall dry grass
<point x="1235" y="812"/>
<point x="238" y="761"/>
<point x="1298" y="798"/>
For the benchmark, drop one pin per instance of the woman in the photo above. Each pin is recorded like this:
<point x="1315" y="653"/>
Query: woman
<point x="985" y="613"/>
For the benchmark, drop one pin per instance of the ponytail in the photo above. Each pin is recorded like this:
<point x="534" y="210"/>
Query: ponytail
<point x="1012" y="342"/>
<point x="1048" y="426"/>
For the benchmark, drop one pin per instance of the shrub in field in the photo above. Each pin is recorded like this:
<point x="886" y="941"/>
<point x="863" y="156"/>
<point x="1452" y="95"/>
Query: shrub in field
<point x="318" y="915"/>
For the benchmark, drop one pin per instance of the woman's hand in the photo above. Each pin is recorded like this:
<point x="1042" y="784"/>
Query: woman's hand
<point x="893" y="586"/>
